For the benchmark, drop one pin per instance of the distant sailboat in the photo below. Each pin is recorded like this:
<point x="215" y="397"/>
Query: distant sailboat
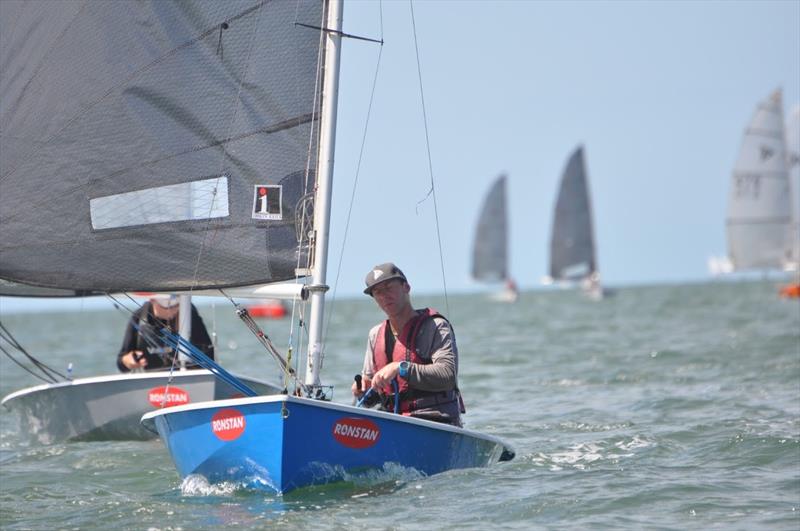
<point x="572" y="249"/>
<point x="490" y="248"/>
<point x="759" y="209"/>
<point x="793" y="166"/>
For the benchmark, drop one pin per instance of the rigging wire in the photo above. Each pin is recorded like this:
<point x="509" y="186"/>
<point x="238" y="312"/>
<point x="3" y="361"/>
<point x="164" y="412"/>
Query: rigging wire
<point x="355" y="181"/>
<point x="432" y="191"/>
<point x="43" y="367"/>
<point x="288" y="371"/>
<point x="27" y="369"/>
<point x="236" y="104"/>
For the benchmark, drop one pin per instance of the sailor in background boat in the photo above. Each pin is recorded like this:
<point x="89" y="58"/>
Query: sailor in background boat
<point x="417" y="347"/>
<point x="141" y="348"/>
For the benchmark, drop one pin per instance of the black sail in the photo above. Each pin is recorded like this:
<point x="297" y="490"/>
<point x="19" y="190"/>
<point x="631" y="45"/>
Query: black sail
<point x="490" y="248"/>
<point x="572" y="254"/>
<point x="156" y="145"/>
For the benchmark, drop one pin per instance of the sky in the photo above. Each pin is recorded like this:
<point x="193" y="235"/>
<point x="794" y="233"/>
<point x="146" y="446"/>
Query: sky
<point x="658" y="93"/>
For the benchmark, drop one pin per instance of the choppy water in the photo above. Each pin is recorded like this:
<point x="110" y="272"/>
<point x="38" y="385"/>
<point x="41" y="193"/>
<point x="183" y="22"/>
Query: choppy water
<point x="670" y="407"/>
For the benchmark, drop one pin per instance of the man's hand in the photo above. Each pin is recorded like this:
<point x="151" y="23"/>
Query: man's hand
<point x="134" y="359"/>
<point x="365" y="383"/>
<point x="385" y="376"/>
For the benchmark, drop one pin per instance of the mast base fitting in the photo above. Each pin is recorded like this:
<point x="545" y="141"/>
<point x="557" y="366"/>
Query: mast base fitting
<point x="320" y="392"/>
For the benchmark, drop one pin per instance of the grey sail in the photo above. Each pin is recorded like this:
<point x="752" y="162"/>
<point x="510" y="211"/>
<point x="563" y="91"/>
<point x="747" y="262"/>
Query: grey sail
<point x="572" y="253"/>
<point x="759" y="210"/>
<point x="155" y="146"/>
<point x="793" y="165"/>
<point x="490" y="248"/>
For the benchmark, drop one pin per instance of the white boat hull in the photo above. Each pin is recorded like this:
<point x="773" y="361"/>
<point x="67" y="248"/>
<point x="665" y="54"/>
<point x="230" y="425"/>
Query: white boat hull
<point x="110" y="407"/>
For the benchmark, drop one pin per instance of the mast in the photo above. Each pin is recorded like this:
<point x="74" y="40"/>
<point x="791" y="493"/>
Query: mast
<point x="322" y="203"/>
<point x="184" y="324"/>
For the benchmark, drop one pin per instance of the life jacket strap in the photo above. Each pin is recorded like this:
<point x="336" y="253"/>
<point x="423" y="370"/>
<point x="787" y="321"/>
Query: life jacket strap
<point x="413" y="400"/>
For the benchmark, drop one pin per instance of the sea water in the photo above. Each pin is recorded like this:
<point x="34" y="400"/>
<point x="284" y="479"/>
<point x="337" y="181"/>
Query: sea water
<point x="669" y="407"/>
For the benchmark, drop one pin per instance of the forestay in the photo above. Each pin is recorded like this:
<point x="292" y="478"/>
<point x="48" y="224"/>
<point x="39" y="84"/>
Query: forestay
<point x="175" y="154"/>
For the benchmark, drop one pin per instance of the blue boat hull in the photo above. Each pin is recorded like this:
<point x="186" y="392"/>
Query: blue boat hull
<point x="286" y="442"/>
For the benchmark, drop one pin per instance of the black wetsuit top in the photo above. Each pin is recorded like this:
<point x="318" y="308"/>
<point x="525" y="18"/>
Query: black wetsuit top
<point x="162" y="359"/>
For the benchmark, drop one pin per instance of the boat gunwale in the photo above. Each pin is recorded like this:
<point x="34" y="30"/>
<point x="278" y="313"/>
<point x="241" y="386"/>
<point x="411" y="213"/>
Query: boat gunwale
<point x="149" y="417"/>
<point x="118" y="377"/>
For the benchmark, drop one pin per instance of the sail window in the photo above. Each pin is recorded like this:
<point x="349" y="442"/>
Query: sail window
<point x="196" y="200"/>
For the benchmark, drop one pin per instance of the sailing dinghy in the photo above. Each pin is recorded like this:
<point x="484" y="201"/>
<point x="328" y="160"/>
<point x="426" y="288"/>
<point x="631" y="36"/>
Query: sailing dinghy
<point x="287" y="441"/>
<point x="187" y="147"/>
<point x="110" y="407"/>
<point x="572" y="248"/>
<point x="490" y="247"/>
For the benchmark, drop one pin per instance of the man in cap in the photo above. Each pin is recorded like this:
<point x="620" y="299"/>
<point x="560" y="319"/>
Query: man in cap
<point x="415" y="347"/>
<point x="159" y="312"/>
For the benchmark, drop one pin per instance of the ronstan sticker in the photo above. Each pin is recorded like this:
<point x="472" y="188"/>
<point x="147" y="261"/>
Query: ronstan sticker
<point x="228" y="424"/>
<point x="167" y="396"/>
<point x="267" y="201"/>
<point x="356" y="433"/>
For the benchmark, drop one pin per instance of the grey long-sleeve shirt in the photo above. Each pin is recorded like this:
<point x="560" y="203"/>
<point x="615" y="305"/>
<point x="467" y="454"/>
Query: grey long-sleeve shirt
<point x="436" y="341"/>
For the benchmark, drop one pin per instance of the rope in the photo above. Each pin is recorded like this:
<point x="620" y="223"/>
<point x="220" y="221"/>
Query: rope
<point x="432" y="191"/>
<point x="355" y="183"/>
<point x="236" y="104"/>
<point x="45" y="369"/>
<point x="285" y="365"/>
<point x="181" y="345"/>
<point x="26" y="369"/>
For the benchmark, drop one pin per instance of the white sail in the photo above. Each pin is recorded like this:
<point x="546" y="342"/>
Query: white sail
<point x="758" y="205"/>
<point x="793" y="165"/>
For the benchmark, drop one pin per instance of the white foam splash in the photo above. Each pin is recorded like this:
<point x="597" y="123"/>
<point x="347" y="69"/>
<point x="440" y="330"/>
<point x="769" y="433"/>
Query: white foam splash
<point x="581" y="456"/>
<point x="197" y="485"/>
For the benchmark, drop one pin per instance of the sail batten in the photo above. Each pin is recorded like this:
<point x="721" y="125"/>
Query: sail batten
<point x="103" y="99"/>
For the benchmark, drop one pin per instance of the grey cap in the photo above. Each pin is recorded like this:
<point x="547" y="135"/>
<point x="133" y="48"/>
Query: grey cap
<point x="381" y="273"/>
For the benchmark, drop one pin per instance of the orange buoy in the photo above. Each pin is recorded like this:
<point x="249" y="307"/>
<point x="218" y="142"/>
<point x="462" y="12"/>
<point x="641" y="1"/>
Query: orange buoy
<point x="790" y="291"/>
<point x="268" y="310"/>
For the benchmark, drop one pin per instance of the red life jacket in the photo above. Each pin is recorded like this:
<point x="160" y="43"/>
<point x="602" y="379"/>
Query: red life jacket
<point x="389" y="348"/>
